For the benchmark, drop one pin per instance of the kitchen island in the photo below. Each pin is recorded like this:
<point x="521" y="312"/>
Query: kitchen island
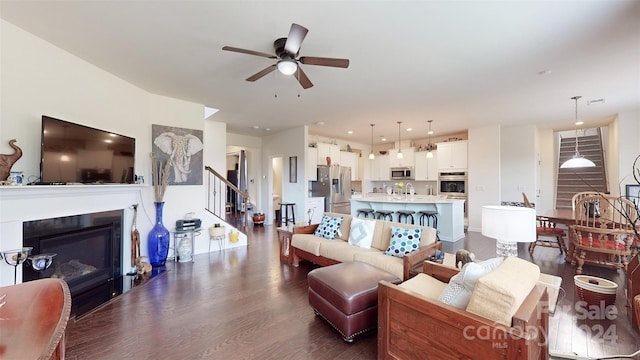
<point x="450" y="211"/>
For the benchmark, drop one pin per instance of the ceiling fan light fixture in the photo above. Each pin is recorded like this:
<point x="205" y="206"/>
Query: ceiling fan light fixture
<point x="577" y="161"/>
<point x="287" y="66"/>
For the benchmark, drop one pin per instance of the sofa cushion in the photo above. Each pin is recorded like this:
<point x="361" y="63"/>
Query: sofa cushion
<point x="458" y="291"/>
<point x="308" y="242"/>
<point x="499" y="294"/>
<point x="343" y="233"/>
<point x="425" y="285"/>
<point x="377" y="258"/>
<point x="328" y="227"/>
<point x="382" y="237"/>
<point x="361" y="232"/>
<point x="339" y="250"/>
<point x="403" y="241"/>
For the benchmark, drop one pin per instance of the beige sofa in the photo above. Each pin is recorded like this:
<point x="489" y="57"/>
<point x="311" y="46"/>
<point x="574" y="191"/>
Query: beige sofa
<point x="506" y="317"/>
<point x="326" y="252"/>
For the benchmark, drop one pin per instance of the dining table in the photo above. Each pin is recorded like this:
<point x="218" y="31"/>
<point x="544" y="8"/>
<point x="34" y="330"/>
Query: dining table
<point x="565" y="217"/>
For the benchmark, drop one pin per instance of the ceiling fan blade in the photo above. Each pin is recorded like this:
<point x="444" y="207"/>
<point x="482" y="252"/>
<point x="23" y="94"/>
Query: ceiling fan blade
<point x="313" y="60"/>
<point x="261" y="73"/>
<point x="302" y="78"/>
<point x="250" y="52"/>
<point x="295" y="38"/>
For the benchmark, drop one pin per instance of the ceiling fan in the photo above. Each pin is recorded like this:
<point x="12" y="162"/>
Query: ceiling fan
<point x="286" y="50"/>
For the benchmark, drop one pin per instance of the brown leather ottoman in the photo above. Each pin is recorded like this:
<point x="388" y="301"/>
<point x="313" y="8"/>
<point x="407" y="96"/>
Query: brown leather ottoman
<point x="346" y="295"/>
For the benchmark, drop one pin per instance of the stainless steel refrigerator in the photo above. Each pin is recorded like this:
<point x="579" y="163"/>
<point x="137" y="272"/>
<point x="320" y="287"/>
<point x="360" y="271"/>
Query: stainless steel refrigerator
<point x="334" y="183"/>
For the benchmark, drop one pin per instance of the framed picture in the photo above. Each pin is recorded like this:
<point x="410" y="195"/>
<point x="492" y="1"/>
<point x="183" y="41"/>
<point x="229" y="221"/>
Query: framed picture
<point x="633" y="194"/>
<point x="293" y="169"/>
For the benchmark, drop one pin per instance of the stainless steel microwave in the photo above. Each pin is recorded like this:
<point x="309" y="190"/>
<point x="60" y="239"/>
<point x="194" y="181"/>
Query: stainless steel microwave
<point x="402" y="173"/>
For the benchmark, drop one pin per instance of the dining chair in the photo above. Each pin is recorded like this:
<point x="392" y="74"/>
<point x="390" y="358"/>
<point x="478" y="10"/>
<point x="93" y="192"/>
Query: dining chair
<point x="580" y="195"/>
<point x="604" y="232"/>
<point x="547" y="234"/>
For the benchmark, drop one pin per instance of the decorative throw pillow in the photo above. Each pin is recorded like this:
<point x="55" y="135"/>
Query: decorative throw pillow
<point x="329" y="227"/>
<point x="361" y="233"/>
<point x="458" y="291"/>
<point x="403" y="241"/>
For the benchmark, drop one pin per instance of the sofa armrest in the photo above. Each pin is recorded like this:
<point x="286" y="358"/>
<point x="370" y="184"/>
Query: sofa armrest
<point x="415" y="259"/>
<point x="306" y="229"/>
<point x="439" y="271"/>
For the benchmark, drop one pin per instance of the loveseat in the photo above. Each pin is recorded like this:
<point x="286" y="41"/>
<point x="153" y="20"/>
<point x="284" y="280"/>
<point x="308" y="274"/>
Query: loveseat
<point x="349" y="245"/>
<point x="506" y="316"/>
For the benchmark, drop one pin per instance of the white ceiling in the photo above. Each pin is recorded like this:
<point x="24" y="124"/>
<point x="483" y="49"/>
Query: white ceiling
<point x="460" y="63"/>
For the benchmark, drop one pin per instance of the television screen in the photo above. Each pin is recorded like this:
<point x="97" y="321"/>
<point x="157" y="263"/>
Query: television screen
<point x="73" y="153"/>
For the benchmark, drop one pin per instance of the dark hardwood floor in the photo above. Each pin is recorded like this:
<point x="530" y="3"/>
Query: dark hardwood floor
<point x="244" y="304"/>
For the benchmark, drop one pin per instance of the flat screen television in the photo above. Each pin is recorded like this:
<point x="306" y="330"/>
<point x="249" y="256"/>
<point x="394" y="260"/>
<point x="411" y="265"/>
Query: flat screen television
<point x="73" y="153"/>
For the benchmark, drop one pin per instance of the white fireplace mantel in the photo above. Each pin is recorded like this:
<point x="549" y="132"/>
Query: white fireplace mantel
<point x="25" y="203"/>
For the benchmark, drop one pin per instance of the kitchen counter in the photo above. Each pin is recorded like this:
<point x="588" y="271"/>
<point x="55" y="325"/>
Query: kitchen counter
<point x="450" y="211"/>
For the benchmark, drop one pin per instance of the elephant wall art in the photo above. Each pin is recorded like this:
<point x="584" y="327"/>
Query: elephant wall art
<point x="184" y="148"/>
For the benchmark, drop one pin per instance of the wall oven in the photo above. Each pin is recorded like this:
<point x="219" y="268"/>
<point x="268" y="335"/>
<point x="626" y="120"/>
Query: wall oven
<point x="453" y="184"/>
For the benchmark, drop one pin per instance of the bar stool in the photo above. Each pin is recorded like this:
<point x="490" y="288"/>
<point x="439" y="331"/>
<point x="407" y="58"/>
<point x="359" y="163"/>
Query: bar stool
<point x="366" y="212"/>
<point x="406" y="215"/>
<point x="285" y="214"/>
<point x="431" y="217"/>
<point x="383" y="214"/>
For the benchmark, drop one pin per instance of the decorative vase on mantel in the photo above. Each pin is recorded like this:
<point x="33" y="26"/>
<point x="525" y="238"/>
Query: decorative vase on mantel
<point x="159" y="239"/>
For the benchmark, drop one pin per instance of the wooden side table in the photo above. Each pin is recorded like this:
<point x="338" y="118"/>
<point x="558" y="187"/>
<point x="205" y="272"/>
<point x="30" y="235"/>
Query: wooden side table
<point x="284" y="239"/>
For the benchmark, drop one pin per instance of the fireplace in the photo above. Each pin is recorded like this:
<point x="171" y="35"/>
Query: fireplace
<point x="88" y="252"/>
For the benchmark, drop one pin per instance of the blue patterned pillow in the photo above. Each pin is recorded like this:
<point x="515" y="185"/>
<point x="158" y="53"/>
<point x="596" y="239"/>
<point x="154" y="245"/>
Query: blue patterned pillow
<point x="403" y="241"/>
<point x="328" y="227"/>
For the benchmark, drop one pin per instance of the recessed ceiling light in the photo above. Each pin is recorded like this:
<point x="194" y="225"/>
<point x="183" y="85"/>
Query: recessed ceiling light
<point x="595" y="101"/>
<point x="256" y="127"/>
<point x="579" y="123"/>
<point x="383" y="138"/>
<point x="268" y="129"/>
<point x="319" y="122"/>
<point x="349" y="132"/>
<point x="409" y="129"/>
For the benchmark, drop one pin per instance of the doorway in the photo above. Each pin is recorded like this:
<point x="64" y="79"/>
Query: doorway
<point x="276" y="187"/>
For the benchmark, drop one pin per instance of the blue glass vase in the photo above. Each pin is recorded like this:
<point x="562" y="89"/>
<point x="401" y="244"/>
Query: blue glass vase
<point x="159" y="239"/>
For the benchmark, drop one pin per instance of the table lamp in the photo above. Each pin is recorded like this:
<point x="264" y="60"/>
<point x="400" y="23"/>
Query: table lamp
<point x="509" y="225"/>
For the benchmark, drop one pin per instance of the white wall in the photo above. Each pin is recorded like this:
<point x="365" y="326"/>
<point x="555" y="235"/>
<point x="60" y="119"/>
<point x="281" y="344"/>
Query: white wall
<point x="292" y="142"/>
<point x="547" y="160"/>
<point x="484" y="172"/>
<point x="628" y="136"/>
<point x="41" y="79"/>
<point x="517" y="163"/>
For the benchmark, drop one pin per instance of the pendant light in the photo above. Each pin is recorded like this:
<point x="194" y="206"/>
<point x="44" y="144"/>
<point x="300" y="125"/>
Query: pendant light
<point x="430" y="154"/>
<point x="399" y="155"/>
<point x="371" y="154"/>
<point x="577" y="161"/>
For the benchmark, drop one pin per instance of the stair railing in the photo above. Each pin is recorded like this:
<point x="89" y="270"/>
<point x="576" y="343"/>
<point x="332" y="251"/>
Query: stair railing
<point x="217" y="187"/>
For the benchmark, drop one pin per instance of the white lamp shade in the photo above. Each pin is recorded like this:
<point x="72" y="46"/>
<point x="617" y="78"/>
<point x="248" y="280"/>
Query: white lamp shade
<point x="287" y="67"/>
<point x="429" y="155"/>
<point x="509" y="223"/>
<point x="577" y="162"/>
<point x="372" y="156"/>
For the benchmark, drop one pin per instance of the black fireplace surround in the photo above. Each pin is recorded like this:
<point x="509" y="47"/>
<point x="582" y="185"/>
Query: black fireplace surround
<point x="89" y="252"/>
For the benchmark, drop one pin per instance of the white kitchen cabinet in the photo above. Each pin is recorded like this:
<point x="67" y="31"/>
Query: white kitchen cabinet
<point x="350" y="159"/>
<point x="330" y="150"/>
<point x="426" y="169"/>
<point x="452" y="155"/>
<point x="311" y="168"/>
<point x="313" y="208"/>
<point x="407" y="158"/>
<point x="377" y="169"/>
